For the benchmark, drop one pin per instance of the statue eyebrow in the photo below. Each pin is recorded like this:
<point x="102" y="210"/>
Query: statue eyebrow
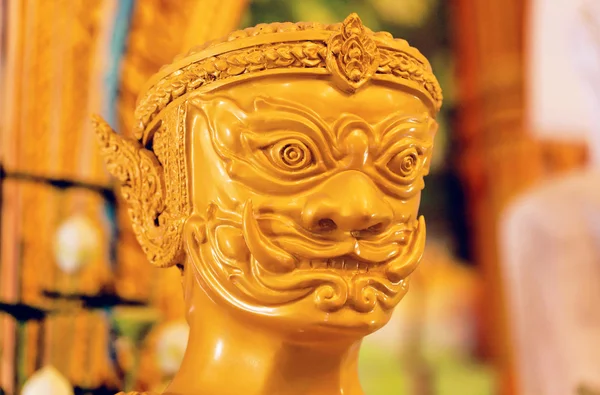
<point x="395" y="121"/>
<point x="400" y="126"/>
<point x="281" y="105"/>
<point x="262" y="103"/>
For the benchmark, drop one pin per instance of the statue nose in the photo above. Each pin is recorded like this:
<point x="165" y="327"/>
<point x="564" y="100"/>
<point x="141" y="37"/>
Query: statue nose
<point x="348" y="201"/>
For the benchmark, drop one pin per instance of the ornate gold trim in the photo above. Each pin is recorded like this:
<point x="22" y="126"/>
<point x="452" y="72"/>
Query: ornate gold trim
<point x="157" y="212"/>
<point x="353" y="54"/>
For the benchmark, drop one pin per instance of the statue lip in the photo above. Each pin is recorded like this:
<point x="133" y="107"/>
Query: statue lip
<point x="342" y="278"/>
<point x="291" y="248"/>
<point x="338" y="270"/>
<point x="349" y="253"/>
<point x="359" y="259"/>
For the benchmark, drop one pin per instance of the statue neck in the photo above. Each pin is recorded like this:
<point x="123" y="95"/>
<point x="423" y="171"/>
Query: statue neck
<point x="226" y="355"/>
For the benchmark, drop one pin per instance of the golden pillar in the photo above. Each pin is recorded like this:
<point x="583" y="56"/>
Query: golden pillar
<point x="498" y="158"/>
<point x="53" y="183"/>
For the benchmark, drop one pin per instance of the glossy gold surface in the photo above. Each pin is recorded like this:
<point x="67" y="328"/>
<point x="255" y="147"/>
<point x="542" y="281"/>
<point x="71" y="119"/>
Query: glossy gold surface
<point x="281" y="170"/>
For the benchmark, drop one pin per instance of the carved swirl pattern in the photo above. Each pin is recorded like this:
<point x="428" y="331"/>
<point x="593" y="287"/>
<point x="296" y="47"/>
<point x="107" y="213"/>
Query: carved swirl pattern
<point x="347" y="56"/>
<point x="157" y="228"/>
<point x="405" y="163"/>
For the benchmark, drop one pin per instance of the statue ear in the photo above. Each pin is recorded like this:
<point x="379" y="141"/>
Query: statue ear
<point x="142" y="185"/>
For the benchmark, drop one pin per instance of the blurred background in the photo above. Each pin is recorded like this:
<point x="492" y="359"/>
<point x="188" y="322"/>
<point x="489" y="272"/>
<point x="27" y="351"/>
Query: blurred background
<point x="506" y="299"/>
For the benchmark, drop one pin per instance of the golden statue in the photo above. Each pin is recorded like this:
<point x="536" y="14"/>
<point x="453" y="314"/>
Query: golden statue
<point x="281" y="169"/>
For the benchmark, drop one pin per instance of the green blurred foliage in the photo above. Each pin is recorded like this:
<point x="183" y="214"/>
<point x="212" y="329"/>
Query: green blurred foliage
<point x="383" y="373"/>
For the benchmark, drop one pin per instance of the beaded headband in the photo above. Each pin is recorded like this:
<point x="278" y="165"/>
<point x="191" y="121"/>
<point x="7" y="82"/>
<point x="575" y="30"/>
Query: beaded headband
<point x="349" y="52"/>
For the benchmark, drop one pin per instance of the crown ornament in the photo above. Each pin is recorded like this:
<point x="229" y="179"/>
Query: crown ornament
<point x="349" y="52"/>
<point x="352" y="56"/>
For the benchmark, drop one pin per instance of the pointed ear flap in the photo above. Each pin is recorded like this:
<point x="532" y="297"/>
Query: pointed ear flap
<point x="142" y="185"/>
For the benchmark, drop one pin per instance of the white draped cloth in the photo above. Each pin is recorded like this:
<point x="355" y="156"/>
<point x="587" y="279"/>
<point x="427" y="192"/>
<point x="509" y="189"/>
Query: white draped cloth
<point x="550" y="243"/>
<point x="550" y="255"/>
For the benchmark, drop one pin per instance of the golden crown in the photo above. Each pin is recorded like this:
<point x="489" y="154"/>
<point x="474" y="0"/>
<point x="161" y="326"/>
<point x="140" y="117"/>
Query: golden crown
<point x="349" y="52"/>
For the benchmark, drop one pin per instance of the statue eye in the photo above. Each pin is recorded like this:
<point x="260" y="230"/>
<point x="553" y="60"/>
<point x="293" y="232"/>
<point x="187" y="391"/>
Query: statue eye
<point x="405" y="163"/>
<point x="291" y="155"/>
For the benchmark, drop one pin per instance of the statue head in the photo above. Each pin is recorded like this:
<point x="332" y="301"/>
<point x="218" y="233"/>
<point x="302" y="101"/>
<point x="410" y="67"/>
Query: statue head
<point x="282" y="168"/>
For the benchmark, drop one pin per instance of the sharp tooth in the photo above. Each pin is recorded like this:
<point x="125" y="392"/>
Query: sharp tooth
<point x="343" y="264"/>
<point x="352" y="265"/>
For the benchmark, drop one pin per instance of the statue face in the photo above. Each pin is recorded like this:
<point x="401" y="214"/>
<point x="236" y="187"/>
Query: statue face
<point x="305" y="200"/>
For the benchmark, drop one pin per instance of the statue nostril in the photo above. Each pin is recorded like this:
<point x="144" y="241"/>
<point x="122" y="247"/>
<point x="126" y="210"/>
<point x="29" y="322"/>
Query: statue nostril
<point x="326" y="224"/>
<point x="375" y="228"/>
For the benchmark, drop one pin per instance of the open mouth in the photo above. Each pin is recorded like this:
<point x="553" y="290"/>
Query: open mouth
<point x="345" y="263"/>
<point x="290" y="265"/>
<point x="291" y="249"/>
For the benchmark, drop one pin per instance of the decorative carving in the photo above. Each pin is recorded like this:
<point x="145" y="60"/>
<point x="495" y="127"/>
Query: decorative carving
<point x="296" y="161"/>
<point x="398" y="61"/>
<point x="156" y="225"/>
<point x="302" y="55"/>
<point x="352" y="56"/>
<point x="158" y="31"/>
<point x="155" y="38"/>
<point x="296" y="203"/>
